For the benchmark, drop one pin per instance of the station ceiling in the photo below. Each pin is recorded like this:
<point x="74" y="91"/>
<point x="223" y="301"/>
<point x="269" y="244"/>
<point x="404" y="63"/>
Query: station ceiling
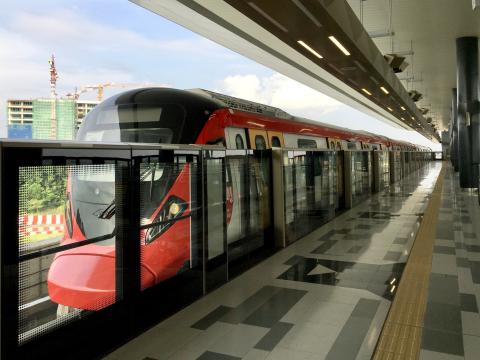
<point x="294" y="37"/>
<point x="429" y="28"/>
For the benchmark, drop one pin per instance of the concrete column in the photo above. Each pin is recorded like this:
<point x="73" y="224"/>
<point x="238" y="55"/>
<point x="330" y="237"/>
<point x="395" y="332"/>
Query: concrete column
<point x="454" y="144"/>
<point x="467" y="111"/>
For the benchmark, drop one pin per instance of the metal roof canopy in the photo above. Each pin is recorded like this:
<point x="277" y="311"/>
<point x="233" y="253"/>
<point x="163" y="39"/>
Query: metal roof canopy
<point x="431" y="28"/>
<point x="269" y="34"/>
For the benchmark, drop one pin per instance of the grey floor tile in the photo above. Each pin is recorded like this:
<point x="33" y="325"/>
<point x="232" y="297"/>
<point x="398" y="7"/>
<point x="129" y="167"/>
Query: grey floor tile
<point x="273" y="337"/>
<point x="443" y="317"/>
<point x="470" y="323"/>
<point x="275" y="308"/>
<point x="468" y="302"/>
<point x="443" y="342"/>
<point x="392" y="256"/>
<point x="433" y="355"/>
<point x="472" y="347"/>
<point x="210" y="355"/>
<point x="211" y="318"/>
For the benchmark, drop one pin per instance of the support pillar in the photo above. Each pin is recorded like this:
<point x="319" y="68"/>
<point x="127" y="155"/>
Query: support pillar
<point x="467" y="111"/>
<point x="454" y="143"/>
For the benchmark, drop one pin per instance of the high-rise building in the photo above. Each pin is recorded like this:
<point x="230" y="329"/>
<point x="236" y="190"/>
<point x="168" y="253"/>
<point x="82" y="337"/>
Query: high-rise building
<point x="19" y="112"/>
<point x="83" y="108"/>
<point x="46" y="118"/>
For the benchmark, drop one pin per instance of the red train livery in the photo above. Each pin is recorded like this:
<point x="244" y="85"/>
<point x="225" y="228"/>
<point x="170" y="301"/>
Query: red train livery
<point x="84" y="277"/>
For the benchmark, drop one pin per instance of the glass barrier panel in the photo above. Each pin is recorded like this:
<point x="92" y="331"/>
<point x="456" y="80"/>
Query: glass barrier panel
<point x="170" y="241"/>
<point x="66" y="244"/>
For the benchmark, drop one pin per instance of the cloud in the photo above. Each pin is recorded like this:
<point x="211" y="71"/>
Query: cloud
<point x="300" y="100"/>
<point x="280" y="91"/>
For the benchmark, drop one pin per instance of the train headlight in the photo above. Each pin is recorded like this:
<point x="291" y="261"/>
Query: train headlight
<point x="171" y="210"/>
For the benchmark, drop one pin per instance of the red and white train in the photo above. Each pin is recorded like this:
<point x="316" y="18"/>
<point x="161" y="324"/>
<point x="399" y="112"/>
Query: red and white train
<point x="84" y="277"/>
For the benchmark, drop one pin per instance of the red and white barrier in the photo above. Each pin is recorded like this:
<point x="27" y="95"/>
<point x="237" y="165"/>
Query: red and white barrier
<point x="46" y="219"/>
<point x="41" y="224"/>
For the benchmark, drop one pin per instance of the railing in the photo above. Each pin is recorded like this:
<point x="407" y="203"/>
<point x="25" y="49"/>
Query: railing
<point x="147" y="229"/>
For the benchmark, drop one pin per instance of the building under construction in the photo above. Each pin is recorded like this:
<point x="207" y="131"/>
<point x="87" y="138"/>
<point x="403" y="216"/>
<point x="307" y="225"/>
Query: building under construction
<point x="32" y="118"/>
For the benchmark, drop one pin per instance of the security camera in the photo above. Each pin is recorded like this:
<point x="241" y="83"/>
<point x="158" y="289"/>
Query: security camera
<point x="396" y="62"/>
<point x="415" y="95"/>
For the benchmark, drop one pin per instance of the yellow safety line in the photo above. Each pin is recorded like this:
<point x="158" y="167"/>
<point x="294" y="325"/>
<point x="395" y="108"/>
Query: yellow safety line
<point x="401" y="336"/>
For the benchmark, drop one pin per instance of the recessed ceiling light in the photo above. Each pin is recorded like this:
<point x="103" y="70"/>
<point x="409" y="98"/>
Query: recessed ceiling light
<point x="413" y="118"/>
<point x="366" y="91"/>
<point x="402" y="118"/>
<point x="339" y="45"/>
<point x="389" y="108"/>
<point x="310" y="49"/>
<point x="384" y="90"/>
<point x="401" y="107"/>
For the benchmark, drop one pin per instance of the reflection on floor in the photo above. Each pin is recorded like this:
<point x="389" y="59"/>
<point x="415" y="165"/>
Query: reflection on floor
<point x="324" y="297"/>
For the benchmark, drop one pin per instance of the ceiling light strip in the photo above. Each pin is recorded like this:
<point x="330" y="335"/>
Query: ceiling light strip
<point x="366" y="92"/>
<point x="310" y="49"/>
<point x="339" y="45"/>
<point x="384" y="90"/>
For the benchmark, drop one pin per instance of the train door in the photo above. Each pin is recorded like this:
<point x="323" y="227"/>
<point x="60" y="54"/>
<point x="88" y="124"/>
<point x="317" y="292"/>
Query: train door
<point x="259" y="182"/>
<point x="275" y="139"/>
<point x="237" y="168"/>
<point x="339" y="178"/>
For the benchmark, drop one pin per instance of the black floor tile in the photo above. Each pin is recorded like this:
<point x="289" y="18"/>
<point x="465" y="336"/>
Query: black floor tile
<point x="392" y="255"/>
<point x="475" y="269"/>
<point x="400" y="241"/>
<point x="443" y="289"/>
<point x="273" y="337"/>
<point x="275" y="308"/>
<point x="355" y="249"/>
<point x="327" y="245"/>
<point x="211" y="318"/>
<point x="439" y="249"/>
<point x="249" y="305"/>
<point x="468" y="302"/>
<point x="444" y="342"/>
<point x="210" y="355"/>
<point x="463" y="262"/>
<point x="366" y="308"/>
<point x="443" y="317"/>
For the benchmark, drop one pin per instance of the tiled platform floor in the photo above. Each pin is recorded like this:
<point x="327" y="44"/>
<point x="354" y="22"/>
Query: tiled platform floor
<point x="327" y="295"/>
<point x="452" y="321"/>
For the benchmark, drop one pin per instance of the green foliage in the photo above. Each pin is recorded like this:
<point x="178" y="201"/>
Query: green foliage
<point x="42" y="188"/>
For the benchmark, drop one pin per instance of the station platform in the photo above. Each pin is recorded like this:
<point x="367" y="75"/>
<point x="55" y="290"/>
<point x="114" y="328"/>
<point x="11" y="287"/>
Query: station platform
<point x="330" y="294"/>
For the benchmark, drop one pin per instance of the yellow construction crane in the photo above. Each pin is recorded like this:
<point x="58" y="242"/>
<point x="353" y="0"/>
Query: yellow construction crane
<point x="100" y="87"/>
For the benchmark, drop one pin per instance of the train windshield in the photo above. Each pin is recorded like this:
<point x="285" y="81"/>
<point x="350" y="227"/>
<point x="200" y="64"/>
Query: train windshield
<point x="142" y="123"/>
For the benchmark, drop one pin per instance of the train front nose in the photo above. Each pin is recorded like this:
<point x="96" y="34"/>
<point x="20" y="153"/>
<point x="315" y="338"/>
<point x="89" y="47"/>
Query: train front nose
<point x="82" y="280"/>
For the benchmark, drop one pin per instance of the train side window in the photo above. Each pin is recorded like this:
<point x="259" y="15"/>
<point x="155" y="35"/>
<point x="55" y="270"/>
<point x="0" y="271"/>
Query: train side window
<point x="351" y="145"/>
<point x="239" y="142"/>
<point x="307" y="143"/>
<point x="260" y="143"/>
<point x="276" y="141"/>
<point x="332" y="145"/>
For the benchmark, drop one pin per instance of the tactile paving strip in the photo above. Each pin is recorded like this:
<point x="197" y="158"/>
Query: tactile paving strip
<point x="402" y="332"/>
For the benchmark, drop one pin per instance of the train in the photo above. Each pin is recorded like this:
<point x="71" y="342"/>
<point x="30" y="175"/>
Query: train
<point x="84" y="277"/>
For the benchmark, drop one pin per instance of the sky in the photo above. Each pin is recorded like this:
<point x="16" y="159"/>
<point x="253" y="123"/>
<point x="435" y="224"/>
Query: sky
<point x="100" y="41"/>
